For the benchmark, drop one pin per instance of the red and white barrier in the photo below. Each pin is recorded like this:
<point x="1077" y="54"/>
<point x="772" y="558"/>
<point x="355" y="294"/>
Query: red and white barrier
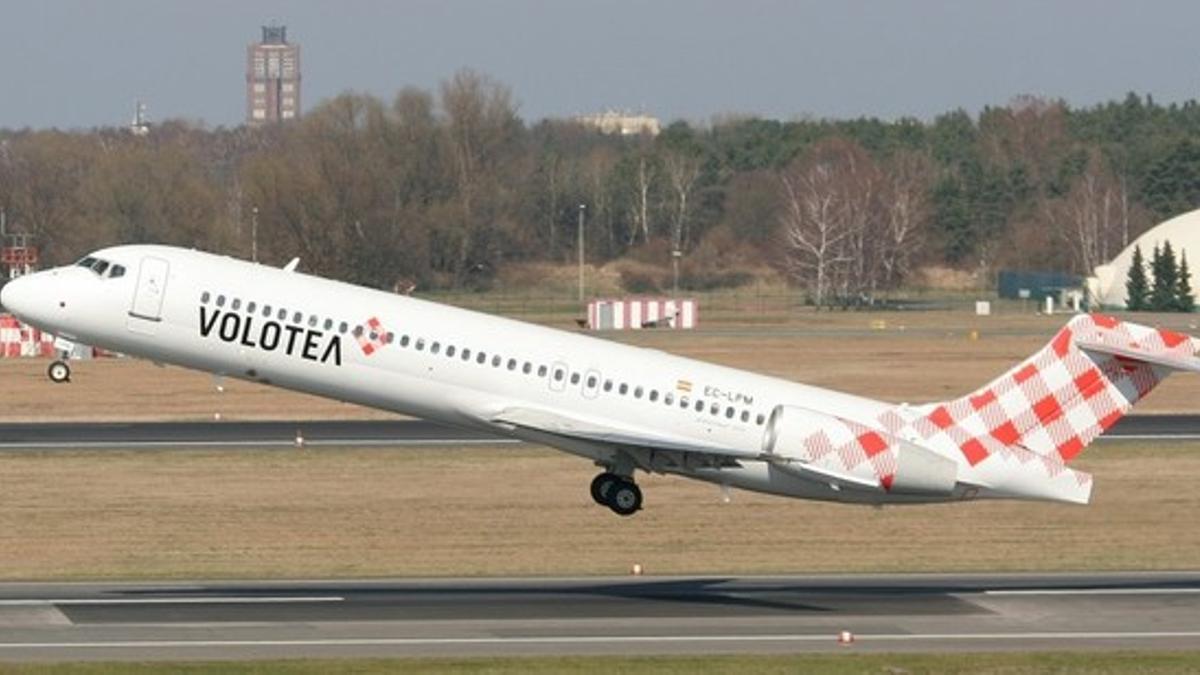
<point x="20" y="340"/>
<point x="639" y="313"/>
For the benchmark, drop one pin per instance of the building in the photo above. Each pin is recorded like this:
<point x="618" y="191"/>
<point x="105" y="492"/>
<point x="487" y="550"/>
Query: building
<point x="1107" y="285"/>
<point x="272" y="78"/>
<point x="625" y="124"/>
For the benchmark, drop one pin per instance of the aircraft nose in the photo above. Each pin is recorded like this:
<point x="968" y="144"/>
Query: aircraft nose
<point x="17" y="296"/>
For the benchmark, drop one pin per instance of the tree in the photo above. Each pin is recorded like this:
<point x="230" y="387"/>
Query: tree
<point x="1162" y="293"/>
<point x="1185" y="300"/>
<point x="1089" y="218"/>
<point x="1137" y="288"/>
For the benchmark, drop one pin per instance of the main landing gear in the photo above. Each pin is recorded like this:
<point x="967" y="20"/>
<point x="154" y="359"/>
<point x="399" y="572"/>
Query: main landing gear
<point x="618" y="493"/>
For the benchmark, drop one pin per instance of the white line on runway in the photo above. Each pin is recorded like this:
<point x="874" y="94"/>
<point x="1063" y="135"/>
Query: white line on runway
<point x="1149" y="437"/>
<point x="1094" y="591"/>
<point x="374" y="442"/>
<point x="594" y="639"/>
<point x="190" y="600"/>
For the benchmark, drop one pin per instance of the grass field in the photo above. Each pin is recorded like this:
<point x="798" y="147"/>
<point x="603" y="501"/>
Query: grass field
<point x="1141" y="663"/>
<point x="521" y="510"/>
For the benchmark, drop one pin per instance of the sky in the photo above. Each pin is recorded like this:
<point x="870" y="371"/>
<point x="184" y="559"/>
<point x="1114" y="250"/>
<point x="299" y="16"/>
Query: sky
<point x="82" y="63"/>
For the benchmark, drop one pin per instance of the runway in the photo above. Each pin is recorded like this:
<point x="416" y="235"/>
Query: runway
<point x="634" y="615"/>
<point x="357" y="433"/>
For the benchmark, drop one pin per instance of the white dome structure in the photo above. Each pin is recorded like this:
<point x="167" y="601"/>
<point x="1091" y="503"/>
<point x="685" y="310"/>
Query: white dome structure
<point x="1107" y="286"/>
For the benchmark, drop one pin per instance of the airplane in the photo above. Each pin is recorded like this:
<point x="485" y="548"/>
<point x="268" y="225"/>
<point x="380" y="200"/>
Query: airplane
<point x="626" y="408"/>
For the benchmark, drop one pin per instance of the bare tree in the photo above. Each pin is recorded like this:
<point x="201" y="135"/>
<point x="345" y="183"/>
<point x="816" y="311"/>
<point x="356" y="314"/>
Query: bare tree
<point x="818" y="216"/>
<point x="905" y="211"/>
<point x="1090" y="219"/>
<point x="683" y="171"/>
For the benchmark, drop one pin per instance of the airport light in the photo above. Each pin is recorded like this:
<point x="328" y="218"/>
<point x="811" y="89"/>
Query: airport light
<point x="579" y="234"/>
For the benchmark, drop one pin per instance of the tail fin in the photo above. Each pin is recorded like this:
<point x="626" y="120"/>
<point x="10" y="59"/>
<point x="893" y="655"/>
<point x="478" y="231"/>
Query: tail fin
<point x="1059" y="400"/>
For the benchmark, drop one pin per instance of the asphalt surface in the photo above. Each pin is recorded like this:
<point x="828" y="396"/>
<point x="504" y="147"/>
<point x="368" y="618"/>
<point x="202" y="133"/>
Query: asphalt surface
<point x="633" y="615"/>
<point x="72" y="435"/>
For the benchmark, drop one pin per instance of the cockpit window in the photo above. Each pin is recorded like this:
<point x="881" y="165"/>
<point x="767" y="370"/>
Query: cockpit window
<point x="100" y="267"/>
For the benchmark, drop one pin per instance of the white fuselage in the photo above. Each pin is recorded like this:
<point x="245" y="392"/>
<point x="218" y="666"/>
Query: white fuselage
<point x="292" y="330"/>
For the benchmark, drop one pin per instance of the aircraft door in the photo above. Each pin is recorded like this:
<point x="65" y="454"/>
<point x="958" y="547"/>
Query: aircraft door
<point x="591" y="383"/>
<point x="148" y="295"/>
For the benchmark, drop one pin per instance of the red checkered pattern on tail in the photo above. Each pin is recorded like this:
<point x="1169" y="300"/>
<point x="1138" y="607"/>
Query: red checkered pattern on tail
<point x="1056" y="402"/>
<point x="372" y="338"/>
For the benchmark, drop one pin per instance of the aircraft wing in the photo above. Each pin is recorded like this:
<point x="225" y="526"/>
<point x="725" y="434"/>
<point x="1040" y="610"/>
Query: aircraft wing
<point x="558" y="424"/>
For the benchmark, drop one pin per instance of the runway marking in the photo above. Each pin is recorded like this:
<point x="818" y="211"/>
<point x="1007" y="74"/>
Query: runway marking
<point x="595" y="639"/>
<point x="1095" y="591"/>
<point x="214" y="600"/>
<point x="1149" y="437"/>
<point x="379" y="442"/>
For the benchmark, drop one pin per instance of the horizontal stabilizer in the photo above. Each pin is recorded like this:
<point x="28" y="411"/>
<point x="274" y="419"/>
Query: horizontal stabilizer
<point x="1168" y="359"/>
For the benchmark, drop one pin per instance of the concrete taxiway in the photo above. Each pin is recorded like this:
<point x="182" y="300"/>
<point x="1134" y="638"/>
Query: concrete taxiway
<point x="634" y="615"/>
<point x="350" y="433"/>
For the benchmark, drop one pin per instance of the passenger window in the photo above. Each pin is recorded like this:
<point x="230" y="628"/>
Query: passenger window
<point x="251" y="307"/>
<point x="312" y="320"/>
<point x="220" y="301"/>
<point x="574" y="378"/>
<point x="343" y="327"/>
<point x="527" y="368"/>
<point x="683" y="402"/>
<point x="358" y="331"/>
<point x="298" y="318"/>
<point x="715" y="409"/>
<point x="512" y="364"/>
<point x="420" y="344"/>
<point x="389" y="338"/>
<point x="205" y="297"/>
<point x="745" y="415"/>
<point x="117" y="272"/>
<point x="450" y="351"/>
<point x="637" y="393"/>
<point x="729" y="412"/>
<point x="435" y="347"/>
<point x="653" y="394"/>
<point x="669" y="398"/>
<point x="542" y="370"/>
<point x="559" y="374"/>
<point x="404" y="341"/>
<point x="466" y="354"/>
<point x="482" y="358"/>
<point x="699" y="406"/>
<point x="266" y="311"/>
<point x="236" y="304"/>
<point x="608" y="385"/>
<point x="623" y="389"/>
<point x="282" y="316"/>
<point x="759" y="420"/>
<point x="591" y="382"/>
<point x="496" y="361"/>
<point x="328" y="324"/>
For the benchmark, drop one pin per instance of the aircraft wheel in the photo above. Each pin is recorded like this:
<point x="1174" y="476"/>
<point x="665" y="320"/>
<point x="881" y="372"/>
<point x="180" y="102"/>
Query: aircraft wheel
<point x="625" y="498"/>
<point x="602" y="485"/>
<point x="59" y="372"/>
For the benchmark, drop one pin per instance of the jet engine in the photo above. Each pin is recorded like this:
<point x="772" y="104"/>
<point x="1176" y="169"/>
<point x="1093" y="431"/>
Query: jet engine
<point x="845" y="453"/>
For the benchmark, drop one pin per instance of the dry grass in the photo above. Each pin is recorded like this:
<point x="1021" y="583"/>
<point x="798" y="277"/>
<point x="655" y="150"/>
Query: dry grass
<point x="525" y="511"/>
<point x="895" y="356"/>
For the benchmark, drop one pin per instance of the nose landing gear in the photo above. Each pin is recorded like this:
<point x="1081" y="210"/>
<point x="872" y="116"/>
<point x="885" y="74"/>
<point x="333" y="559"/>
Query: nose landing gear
<point x="59" y="372"/>
<point x="618" y="493"/>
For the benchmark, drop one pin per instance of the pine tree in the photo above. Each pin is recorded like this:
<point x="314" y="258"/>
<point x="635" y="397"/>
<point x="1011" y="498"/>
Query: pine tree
<point x="1162" y="293"/>
<point x="1185" y="301"/>
<point x="1136" y="285"/>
